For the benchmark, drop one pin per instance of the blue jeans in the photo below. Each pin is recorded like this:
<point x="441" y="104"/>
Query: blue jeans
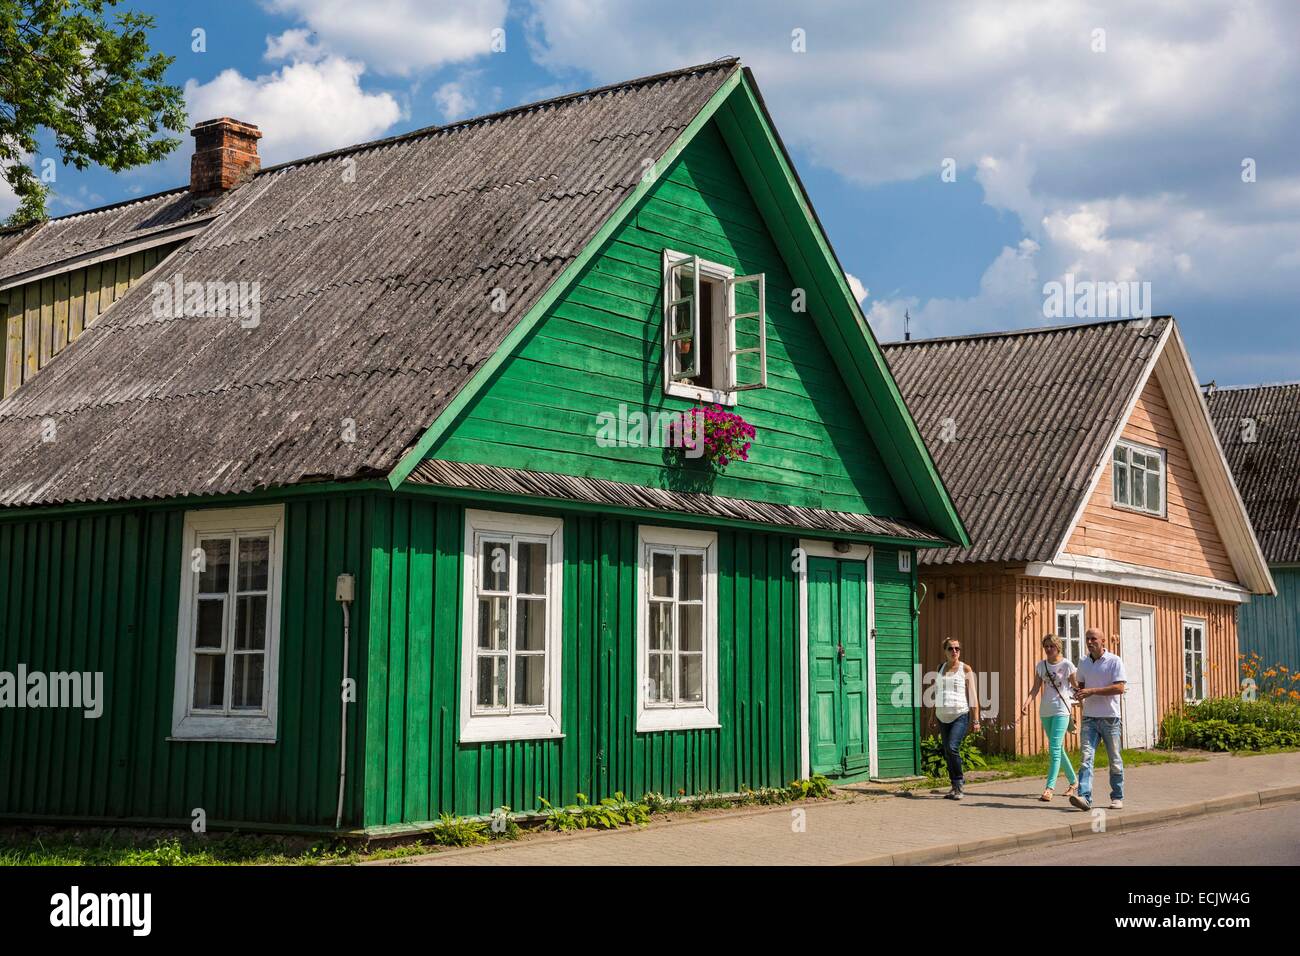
<point x="952" y="735"/>
<point x="1105" y="729"/>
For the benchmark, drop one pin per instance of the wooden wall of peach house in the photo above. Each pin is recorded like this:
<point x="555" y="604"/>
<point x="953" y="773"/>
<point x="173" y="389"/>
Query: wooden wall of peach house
<point x="1000" y="616"/>
<point x="1187" y="540"/>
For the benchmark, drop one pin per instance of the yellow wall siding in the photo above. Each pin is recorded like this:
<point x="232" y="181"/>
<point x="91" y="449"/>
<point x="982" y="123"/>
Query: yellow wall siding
<point x="42" y="317"/>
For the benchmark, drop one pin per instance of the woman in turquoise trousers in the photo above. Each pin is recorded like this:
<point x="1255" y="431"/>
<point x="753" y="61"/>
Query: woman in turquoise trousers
<point x="1057" y="673"/>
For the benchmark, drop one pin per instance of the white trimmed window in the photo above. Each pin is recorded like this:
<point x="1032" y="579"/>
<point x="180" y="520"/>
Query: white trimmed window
<point x="1193" y="660"/>
<point x="677" y="629"/>
<point x="1070" y="629"/>
<point x="715" y="330"/>
<point x="510" y="655"/>
<point x="227" y="645"/>
<point x="1138" y="476"/>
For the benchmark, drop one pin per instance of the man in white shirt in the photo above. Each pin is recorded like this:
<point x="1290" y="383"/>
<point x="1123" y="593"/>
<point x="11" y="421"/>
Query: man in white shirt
<point x="1101" y="680"/>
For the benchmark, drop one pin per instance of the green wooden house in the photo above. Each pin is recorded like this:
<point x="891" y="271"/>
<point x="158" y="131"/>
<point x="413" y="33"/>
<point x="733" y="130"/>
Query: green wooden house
<point x="331" y="499"/>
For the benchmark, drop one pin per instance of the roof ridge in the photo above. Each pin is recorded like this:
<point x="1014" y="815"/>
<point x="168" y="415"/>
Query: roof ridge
<point x="1261" y="385"/>
<point x="727" y="61"/>
<point x="1037" y="330"/>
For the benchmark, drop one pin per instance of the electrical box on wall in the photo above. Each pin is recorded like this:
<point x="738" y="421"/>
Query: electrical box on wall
<point x="905" y="562"/>
<point x="345" y="588"/>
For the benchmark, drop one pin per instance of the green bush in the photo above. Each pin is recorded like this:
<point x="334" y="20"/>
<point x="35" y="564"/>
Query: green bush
<point x="451" y="830"/>
<point x="1231" y="723"/>
<point x="1267" y="714"/>
<point x="933" y="764"/>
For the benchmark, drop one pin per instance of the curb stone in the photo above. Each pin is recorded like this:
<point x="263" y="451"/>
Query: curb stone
<point x="1122" y="822"/>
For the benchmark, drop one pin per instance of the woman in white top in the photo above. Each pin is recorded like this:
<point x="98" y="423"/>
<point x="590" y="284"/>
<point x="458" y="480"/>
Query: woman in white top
<point x="955" y="706"/>
<point x="1057" y="672"/>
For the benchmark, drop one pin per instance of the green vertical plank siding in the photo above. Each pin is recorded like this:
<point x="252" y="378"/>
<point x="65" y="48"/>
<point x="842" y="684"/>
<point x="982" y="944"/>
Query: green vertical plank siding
<point x="99" y="592"/>
<point x="419" y="771"/>
<point x="1270" y="626"/>
<point x="601" y="346"/>
<point x="896" y="656"/>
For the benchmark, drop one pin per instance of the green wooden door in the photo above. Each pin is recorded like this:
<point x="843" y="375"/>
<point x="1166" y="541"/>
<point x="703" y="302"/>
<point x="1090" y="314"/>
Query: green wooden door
<point x="837" y="666"/>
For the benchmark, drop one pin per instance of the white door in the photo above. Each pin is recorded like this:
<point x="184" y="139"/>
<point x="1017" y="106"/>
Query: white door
<point x="1137" y="648"/>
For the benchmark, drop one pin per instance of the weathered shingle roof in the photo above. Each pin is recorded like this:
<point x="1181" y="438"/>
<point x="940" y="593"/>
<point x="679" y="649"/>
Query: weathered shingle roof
<point x="1267" y="469"/>
<point x="378" y="270"/>
<point x="599" y="491"/>
<point x="54" y="240"/>
<point x="1017" y="423"/>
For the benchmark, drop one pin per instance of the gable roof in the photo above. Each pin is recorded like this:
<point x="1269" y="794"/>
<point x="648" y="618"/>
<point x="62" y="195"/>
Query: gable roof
<point x="376" y="279"/>
<point x="1034" y="415"/>
<point x="1267" y="469"/>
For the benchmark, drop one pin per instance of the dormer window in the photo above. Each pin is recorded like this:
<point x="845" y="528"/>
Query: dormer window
<point x="1139" y="478"/>
<point x="715" y="336"/>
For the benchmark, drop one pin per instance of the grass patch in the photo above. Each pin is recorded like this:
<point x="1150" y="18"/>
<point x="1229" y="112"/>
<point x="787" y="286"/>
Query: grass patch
<point x="1006" y="767"/>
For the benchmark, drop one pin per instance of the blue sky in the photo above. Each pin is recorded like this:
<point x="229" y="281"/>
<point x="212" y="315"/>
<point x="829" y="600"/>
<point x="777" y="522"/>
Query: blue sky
<point x="1101" y="139"/>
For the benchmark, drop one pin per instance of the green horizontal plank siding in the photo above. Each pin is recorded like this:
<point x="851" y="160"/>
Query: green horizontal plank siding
<point x="1270" y="626"/>
<point x="99" y="593"/>
<point x="416" y="767"/>
<point x="601" y="346"/>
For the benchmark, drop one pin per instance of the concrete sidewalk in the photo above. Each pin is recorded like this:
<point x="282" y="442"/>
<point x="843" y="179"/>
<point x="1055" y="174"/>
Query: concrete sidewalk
<point x="907" y="828"/>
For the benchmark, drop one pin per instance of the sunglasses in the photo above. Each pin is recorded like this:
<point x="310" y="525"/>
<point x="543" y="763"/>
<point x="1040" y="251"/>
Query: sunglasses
<point x="952" y="647"/>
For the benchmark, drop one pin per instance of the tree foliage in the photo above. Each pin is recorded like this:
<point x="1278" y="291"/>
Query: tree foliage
<point x="85" y="73"/>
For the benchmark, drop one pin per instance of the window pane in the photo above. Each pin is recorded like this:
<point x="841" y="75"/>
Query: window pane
<point x="661" y="574"/>
<point x="692" y="678"/>
<point x="215" y="578"/>
<point x="532" y="567"/>
<point x="660" y="679"/>
<point x="1138" y="489"/>
<point x="494" y="558"/>
<point x="530" y="625"/>
<point x="209" y="681"/>
<point x="681" y="316"/>
<point x="209" y="628"/>
<point x="660" y="628"/>
<point x="254" y="562"/>
<point x="530" y="680"/>
<point x="684" y="359"/>
<point x="691" y="573"/>
<point x="1153" y="490"/>
<point x="491" y="682"/>
<point x="690" y="627"/>
<point x="1121" y="483"/>
<point x="493" y="623"/>
<point x="250" y="623"/>
<point x="246" y="691"/>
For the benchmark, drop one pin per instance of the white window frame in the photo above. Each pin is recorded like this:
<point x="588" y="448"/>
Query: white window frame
<point x="723" y="331"/>
<point x="651" y="717"/>
<point x="1071" y="610"/>
<point x="478" y="724"/>
<point x="1129" y="447"/>
<point x="191" y="724"/>
<point x="1199" y="624"/>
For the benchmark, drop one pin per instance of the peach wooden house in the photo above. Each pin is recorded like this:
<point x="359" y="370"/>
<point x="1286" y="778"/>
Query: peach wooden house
<point x="1083" y="461"/>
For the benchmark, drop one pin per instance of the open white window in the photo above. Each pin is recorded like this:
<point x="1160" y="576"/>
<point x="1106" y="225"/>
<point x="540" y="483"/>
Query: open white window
<point x="1193" y="660"/>
<point x="715" y="329"/>
<point x="510" y="651"/>
<point x="228" y="639"/>
<point x="1139" y="478"/>
<point x="677" y="629"/>
<point x="1070" y="629"/>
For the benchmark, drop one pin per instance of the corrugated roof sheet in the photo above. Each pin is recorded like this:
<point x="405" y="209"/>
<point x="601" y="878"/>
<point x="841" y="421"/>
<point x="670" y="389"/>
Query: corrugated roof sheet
<point x="536" y="484"/>
<point x="376" y="269"/>
<point x="1017" y="423"/>
<point x="1267" y="468"/>
<point x="55" y="240"/>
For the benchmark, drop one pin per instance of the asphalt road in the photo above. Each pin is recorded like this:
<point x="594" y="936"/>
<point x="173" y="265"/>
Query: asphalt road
<point x="1266" y="837"/>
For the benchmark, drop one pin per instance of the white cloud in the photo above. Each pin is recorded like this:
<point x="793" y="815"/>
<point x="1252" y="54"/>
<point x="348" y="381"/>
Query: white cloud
<point x="301" y="108"/>
<point x="399" y="37"/>
<point x="1120" y="164"/>
<point x="860" y="292"/>
<point x="454" y="101"/>
<point x="294" y="46"/>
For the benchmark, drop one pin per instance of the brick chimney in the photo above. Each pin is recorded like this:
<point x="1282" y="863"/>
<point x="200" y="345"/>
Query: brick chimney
<point x="225" y="155"/>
